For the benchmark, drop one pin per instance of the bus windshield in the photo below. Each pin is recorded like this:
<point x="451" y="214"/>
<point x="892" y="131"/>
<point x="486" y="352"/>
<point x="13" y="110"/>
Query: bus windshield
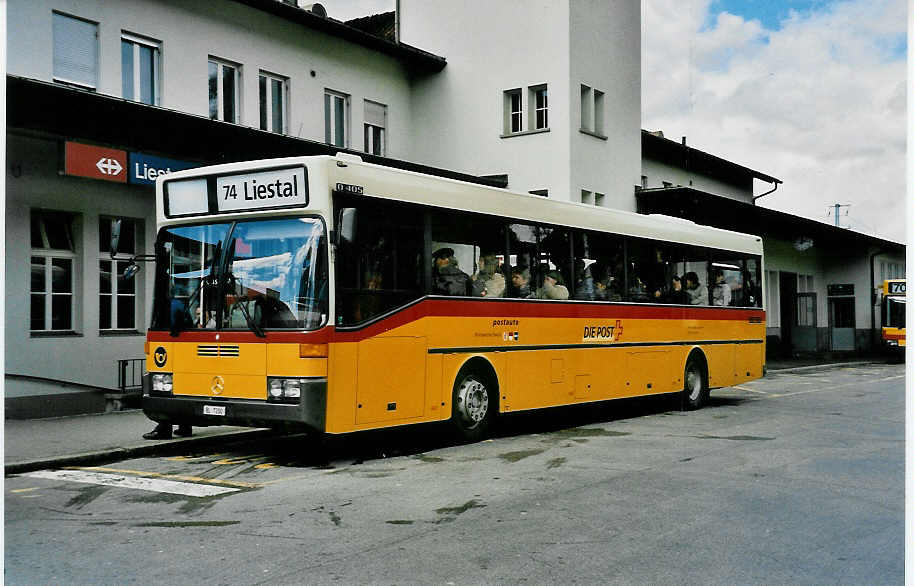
<point x="257" y="275"/>
<point x="896" y="312"/>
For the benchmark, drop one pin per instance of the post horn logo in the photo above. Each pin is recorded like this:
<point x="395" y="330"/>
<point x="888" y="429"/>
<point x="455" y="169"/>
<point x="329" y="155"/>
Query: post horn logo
<point x="218" y="385"/>
<point x="160" y="357"/>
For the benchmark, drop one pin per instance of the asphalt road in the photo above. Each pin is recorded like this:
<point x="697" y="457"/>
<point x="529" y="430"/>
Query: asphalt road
<point x="793" y="479"/>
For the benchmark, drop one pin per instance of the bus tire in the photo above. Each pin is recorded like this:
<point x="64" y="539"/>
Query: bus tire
<point x="474" y="404"/>
<point x="695" y="389"/>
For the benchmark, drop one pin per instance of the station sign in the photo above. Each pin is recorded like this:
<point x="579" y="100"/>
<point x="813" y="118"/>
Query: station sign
<point x="83" y="160"/>
<point x="143" y="169"/>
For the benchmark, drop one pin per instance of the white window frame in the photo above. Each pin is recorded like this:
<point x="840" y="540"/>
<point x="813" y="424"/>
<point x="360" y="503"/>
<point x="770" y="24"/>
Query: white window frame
<point x="156" y="46"/>
<point x="332" y="100"/>
<point x="266" y="103"/>
<point x="117" y="266"/>
<point x="536" y="109"/>
<point x="371" y="125"/>
<point x="221" y="65"/>
<point x="54" y="52"/>
<point x="512" y="114"/>
<point x="48" y="254"/>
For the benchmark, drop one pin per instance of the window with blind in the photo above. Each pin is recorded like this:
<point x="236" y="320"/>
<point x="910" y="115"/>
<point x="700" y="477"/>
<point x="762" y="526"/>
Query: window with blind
<point x="75" y="51"/>
<point x="375" y="128"/>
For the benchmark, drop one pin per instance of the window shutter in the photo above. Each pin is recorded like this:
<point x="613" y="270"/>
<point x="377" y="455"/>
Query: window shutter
<point x="75" y="50"/>
<point x="375" y="114"/>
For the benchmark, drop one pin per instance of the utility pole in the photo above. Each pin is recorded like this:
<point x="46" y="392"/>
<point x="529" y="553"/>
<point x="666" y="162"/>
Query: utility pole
<point x="838" y="207"/>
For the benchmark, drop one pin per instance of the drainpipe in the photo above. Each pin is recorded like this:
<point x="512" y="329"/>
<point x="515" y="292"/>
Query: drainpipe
<point x="772" y="190"/>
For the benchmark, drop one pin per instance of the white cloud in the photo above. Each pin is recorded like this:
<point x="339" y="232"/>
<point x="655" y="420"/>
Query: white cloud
<point x="818" y="103"/>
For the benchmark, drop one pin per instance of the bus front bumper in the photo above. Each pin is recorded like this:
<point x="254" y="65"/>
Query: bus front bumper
<point x="309" y="412"/>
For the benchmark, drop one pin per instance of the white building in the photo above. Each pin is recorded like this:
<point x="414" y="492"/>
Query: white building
<point x="540" y="97"/>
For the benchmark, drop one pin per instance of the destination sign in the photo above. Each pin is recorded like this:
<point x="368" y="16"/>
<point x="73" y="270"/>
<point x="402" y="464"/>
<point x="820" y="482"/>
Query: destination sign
<point x="269" y="189"/>
<point x="896" y="287"/>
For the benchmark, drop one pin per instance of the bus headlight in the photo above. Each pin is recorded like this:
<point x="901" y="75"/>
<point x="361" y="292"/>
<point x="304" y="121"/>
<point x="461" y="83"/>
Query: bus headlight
<point x="284" y="390"/>
<point x="162" y="382"/>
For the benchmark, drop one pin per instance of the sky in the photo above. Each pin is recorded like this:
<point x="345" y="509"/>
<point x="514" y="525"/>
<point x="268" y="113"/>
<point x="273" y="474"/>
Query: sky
<point x="809" y="91"/>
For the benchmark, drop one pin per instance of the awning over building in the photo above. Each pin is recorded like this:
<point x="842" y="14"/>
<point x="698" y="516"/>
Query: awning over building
<point x="730" y="214"/>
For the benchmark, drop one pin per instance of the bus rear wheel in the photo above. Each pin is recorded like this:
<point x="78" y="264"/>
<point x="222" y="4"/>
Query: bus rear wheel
<point x="695" y="389"/>
<point x="473" y="405"/>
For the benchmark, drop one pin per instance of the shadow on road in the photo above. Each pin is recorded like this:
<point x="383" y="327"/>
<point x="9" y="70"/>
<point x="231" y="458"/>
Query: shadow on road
<point x="329" y="451"/>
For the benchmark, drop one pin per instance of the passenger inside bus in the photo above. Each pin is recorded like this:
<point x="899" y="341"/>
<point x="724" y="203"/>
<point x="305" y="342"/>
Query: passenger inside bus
<point x="553" y="287"/>
<point x="448" y="279"/>
<point x="720" y="291"/>
<point x="488" y="281"/>
<point x="677" y="294"/>
<point x="520" y="278"/>
<point x="697" y="294"/>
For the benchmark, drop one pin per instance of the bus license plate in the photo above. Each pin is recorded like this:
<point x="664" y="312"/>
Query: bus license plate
<point x="213" y="410"/>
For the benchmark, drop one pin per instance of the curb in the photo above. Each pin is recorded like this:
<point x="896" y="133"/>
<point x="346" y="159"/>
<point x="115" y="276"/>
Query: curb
<point x="829" y="366"/>
<point x="154" y="448"/>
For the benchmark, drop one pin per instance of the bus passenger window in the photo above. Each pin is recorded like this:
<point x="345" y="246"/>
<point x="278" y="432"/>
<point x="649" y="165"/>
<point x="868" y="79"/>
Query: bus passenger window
<point x="727" y="281"/>
<point x="693" y="272"/>
<point x="751" y="290"/>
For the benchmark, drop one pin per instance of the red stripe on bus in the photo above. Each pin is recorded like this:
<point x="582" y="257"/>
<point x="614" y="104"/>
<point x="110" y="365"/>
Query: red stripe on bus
<point x="544" y="309"/>
<point x="893" y="336"/>
<point x="471" y="308"/>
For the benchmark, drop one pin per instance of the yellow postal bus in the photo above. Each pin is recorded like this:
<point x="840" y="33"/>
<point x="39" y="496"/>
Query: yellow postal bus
<point x="893" y="315"/>
<point x="336" y="295"/>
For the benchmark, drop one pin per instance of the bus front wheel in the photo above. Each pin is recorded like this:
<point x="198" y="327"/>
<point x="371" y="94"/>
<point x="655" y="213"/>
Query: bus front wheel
<point x="695" y="389"/>
<point x="473" y="405"/>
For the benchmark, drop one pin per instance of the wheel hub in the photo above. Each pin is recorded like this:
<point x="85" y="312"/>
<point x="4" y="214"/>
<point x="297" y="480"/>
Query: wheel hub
<point x="693" y="383"/>
<point x="472" y="401"/>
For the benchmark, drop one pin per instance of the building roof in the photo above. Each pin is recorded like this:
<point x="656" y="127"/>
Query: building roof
<point x="414" y="58"/>
<point x="676" y="154"/>
<point x="382" y="25"/>
<point x="58" y="111"/>
<point x="722" y="212"/>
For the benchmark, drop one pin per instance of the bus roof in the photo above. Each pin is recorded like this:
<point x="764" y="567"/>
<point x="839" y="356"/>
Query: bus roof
<point x="408" y="186"/>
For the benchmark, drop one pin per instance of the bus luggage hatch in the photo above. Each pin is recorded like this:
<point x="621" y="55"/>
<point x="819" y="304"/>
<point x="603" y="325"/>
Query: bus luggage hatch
<point x="391" y="379"/>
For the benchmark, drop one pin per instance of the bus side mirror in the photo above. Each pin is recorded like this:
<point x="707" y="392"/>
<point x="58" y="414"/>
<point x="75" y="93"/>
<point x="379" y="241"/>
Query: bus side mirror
<point x="115" y="236"/>
<point x="346" y="225"/>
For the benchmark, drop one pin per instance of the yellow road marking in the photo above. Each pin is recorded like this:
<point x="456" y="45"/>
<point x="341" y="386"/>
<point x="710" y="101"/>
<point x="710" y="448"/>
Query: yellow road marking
<point x="170" y="476"/>
<point x="17" y="490"/>
<point x="266" y="466"/>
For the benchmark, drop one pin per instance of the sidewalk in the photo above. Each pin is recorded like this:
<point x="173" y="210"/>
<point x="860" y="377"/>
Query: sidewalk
<point x="34" y="444"/>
